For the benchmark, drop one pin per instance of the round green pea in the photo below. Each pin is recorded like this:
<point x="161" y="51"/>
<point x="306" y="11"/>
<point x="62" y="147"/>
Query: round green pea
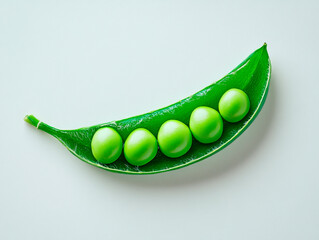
<point x="140" y="147"/>
<point x="106" y="145"/>
<point x="174" y="138"/>
<point x="206" y="124"/>
<point x="234" y="105"/>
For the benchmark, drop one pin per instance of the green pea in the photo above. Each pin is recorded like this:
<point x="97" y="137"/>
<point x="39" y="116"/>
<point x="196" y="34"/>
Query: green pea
<point x="234" y="105"/>
<point x="140" y="147"/>
<point x="174" y="138"/>
<point x="206" y="124"/>
<point x="106" y="145"/>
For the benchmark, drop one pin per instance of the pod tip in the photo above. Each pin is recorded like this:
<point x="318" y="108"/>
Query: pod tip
<point x="32" y="120"/>
<point x="26" y="118"/>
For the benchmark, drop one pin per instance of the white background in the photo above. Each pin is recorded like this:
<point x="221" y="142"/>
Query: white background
<point x="79" y="63"/>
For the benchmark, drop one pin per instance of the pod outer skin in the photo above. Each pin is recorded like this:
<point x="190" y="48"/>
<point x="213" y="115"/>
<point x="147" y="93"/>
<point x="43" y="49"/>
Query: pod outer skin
<point x="252" y="76"/>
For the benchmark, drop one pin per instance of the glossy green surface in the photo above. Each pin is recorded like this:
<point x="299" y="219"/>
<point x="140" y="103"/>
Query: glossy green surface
<point x="234" y="105"/>
<point x="140" y="147"/>
<point x="174" y="138"/>
<point x="251" y="76"/>
<point x="106" y="145"/>
<point x="206" y="124"/>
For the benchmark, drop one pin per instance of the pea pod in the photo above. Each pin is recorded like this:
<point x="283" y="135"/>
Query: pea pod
<point x="252" y="76"/>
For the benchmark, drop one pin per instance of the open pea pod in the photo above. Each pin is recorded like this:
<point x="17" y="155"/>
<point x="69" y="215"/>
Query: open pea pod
<point x="252" y="76"/>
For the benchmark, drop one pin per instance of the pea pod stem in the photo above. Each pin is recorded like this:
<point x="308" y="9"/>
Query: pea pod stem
<point x="32" y="120"/>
